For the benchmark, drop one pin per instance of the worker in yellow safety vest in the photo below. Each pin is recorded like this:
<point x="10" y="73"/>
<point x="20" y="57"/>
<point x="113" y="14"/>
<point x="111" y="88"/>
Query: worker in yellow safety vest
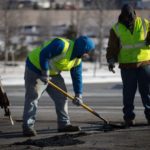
<point x="129" y="45"/>
<point x="47" y="62"/>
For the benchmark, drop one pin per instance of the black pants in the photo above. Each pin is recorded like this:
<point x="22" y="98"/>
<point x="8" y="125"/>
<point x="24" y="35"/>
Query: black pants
<point x="133" y="78"/>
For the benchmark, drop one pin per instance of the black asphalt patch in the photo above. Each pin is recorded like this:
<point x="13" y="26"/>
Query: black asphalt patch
<point x="59" y="140"/>
<point x="111" y="126"/>
<point x="105" y="127"/>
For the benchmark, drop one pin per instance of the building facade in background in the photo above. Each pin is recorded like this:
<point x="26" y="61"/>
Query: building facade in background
<point x="25" y="24"/>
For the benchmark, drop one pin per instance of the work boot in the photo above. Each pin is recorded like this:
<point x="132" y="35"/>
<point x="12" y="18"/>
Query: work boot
<point x="129" y="123"/>
<point x="29" y="132"/>
<point x="69" y="128"/>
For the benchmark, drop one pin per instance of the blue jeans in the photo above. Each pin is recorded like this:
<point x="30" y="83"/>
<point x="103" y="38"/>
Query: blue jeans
<point x="132" y="79"/>
<point x="34" y="89"/>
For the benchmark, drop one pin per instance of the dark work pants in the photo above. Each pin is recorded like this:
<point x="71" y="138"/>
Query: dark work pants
<point x="34" y="88"/>
<point x="132" y="79"/>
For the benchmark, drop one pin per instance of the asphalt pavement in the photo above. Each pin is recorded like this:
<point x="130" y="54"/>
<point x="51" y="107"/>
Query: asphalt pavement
<point x="93" y="135"/>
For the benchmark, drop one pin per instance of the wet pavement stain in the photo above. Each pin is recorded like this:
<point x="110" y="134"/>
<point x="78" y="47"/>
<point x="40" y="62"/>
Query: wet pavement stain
<point x="59" y="140"/>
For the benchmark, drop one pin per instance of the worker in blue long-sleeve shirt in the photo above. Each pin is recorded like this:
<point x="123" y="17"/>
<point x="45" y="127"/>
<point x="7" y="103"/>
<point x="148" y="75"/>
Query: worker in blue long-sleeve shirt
<point x="46" y="62"/>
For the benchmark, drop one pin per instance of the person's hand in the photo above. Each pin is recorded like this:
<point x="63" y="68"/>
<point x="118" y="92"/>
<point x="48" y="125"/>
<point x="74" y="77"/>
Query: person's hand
<point x="77" y="100"/>
<point x="45" y="76"/>
<point x="111" y="67"/>
<point x="111" y="64"/>
<point x="44" y="79"/>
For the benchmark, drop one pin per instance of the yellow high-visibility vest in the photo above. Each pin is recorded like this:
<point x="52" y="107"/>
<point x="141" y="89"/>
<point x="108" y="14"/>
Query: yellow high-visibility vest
<point x="133" y="46"/>
<point x="59" y="63"/>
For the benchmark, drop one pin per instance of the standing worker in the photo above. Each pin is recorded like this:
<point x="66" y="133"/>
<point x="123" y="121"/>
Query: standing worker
<point x="129" y="44"/>
<point x="47" y="62"/>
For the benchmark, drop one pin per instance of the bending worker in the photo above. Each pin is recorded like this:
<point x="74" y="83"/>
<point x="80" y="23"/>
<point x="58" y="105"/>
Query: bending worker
<point x="129" y="44"/>
<point x="46" y="62"/>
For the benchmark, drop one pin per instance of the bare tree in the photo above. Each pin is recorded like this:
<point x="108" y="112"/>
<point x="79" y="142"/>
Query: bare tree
<point x="8" y="25"/>
<point x="102" y="23"/>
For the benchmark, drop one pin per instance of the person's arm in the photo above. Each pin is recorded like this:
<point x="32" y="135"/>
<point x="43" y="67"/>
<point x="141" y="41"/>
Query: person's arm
<point x="113" y="47"/>
<point x="112" y="51"/>
<point x="76" y="75"/>
<point x="51" y="50"/>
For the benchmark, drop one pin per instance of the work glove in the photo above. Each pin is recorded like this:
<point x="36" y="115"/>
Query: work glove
<point x="111" y="65"/>
<point x="77" y="100"/>
<point x="45" y="76"/>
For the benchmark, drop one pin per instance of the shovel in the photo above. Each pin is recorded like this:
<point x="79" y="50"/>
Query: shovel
<point x="82" y="104"/>
<point x="107" y="126"/>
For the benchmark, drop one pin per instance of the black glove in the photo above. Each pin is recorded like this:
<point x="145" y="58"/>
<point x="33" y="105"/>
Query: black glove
<point x="45" y="76"/>
<point x="77" y="100"/>
<point x="111" y="67"/>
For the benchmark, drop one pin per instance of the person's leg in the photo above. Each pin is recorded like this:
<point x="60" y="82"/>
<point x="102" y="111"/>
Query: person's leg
<point x="61" y="104"/>
<point x="33" y="91"/>
<point x="129" y="79"/>
<point x="144" y="88"/>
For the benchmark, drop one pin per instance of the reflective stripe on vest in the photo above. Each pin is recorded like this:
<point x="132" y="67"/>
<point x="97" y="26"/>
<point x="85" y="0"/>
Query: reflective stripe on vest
<point x="132" y="46"/>
<point x="138" y="45"/>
